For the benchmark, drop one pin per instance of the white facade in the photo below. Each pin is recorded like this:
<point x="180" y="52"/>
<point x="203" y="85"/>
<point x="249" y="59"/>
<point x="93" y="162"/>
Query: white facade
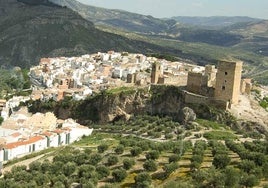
<point x="53" y="140"/>
<point x="15" y="147"/>
<point x="1" y="154"/>
<point x="77" y="133"/>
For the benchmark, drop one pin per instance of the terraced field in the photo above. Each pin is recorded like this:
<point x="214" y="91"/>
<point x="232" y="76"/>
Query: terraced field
<point x="149" y="151"/>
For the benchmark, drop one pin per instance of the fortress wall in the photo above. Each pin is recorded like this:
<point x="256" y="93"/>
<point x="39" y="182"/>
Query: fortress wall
<point x="180" y="80"/>
<point x="192" y="98"/>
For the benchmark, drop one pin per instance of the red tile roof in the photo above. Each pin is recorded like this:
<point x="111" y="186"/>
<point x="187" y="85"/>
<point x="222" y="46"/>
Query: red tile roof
<point x="21" y="143"/>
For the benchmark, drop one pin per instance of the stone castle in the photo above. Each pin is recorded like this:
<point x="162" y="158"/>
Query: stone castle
<point x="219" y="87"/>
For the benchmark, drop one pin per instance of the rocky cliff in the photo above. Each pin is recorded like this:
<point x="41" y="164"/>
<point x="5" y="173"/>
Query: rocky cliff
<point x="122" y="103"/>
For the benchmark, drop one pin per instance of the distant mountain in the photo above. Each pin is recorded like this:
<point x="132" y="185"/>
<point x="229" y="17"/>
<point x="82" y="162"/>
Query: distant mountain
<point x="202" y="39"/>
<point x="150" y="26"/>
<point x="214" y="21"/>
<point x="249" y="28"/>
<point x="31" y="29"/>
<point x="119" y="18"/>
<point x="255" y="36"/>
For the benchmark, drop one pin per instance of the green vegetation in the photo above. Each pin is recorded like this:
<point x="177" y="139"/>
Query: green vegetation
<point x="219" y="135"/>
<point x="210" y="124"/>
<point x="14" y="82"/>
<point x="120" y="90"/>
<point x="122" y="154"/>
<point x="264" y="103"/>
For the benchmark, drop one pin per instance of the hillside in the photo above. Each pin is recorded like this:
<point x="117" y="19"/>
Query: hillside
<point x="150" y="26"/>
<point x="245" y="38"/>
<point x="35" y="29"/>
<point x="118" y="18"/>
<point x="30" y="30"/>
<point x="216" y="22"/>
<point x="149" y="150"/>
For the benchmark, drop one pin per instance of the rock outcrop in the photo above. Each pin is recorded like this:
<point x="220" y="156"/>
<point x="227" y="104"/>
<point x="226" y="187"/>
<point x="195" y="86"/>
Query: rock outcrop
<point x="122" y="103"/>
<point x="186" y="115"/>
<point x="109" y="107"/>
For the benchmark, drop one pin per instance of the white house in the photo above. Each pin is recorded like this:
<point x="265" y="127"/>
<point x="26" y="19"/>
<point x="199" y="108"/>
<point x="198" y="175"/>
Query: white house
<point x="52" y="139"/>
<point x="22" y="147"/>
<point x="76" y="130"/>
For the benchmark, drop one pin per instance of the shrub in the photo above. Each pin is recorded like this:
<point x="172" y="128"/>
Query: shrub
<point x="150" y="166"/>
<point x="152" y="155"/>
<point x="135" y="151"/>
<point x="103" y="147"/>
<point x="247" y="165"/>
<point x="221" y="160"/>
<point x="143" y="180"/>
<point x="95" y="158"/>
<point x="119" y="175"/>
<point x="102" y="171"/>
<point x="173" y="158"/>
<point x="119" y="149"/>
<point x="169" y="168"/>
<point x="128" y="163"/>
<point x="168" y="136"/>
<point x="232" y="177"/>
<point x="112" y="160"/>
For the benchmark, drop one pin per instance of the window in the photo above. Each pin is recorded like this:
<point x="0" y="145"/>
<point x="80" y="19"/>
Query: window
<point x="223" y="87"/>
<point x="226" y="73"/>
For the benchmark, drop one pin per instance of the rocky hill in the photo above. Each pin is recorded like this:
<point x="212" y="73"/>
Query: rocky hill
<point x="32" y="29"/>
<point x="120" y="104"/>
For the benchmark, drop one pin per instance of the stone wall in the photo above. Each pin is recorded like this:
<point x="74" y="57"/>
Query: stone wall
<point x="191" y="98"/>
<point x="196" y="81"/>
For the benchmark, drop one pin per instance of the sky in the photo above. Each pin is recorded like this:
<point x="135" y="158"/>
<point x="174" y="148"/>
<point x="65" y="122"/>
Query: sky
<point x="169" y="8"/>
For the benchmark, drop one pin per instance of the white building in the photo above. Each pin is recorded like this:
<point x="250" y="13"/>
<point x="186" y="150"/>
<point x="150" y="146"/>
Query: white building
<point x="36" y="133"/>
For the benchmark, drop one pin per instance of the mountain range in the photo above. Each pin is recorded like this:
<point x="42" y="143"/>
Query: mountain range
<point x="31" y="29"/>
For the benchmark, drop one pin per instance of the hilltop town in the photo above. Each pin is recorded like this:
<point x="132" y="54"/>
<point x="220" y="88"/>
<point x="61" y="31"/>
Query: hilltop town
<point x="79" y="77"/>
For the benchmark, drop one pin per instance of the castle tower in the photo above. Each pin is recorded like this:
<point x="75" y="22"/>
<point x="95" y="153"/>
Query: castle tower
<point x="211" y="71"/>
<point x="156" y="72"/>
<point x="228" y="81"/>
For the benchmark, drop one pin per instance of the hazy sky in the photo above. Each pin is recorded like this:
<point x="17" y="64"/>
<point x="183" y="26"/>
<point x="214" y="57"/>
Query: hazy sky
<point x="169" y="8"/>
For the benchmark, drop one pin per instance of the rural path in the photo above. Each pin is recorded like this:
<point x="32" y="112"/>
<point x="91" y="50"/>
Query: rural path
<point x="24" y="162"/>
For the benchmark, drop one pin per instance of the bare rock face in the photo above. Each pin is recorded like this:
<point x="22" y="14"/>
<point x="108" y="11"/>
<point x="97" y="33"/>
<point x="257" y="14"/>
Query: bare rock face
<point x="121" y="107"/>
<point x="110" y="107"/>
